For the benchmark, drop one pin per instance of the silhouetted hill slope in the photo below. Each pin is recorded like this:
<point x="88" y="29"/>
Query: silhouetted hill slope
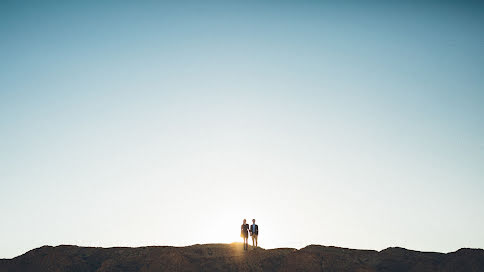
<point x="231" y="257"/>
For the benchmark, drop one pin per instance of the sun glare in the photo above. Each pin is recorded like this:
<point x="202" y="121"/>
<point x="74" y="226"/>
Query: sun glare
<point x="227" y="230"/>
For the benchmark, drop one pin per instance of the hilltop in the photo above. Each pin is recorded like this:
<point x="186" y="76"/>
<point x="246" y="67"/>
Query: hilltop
<point x="231" y="257"/>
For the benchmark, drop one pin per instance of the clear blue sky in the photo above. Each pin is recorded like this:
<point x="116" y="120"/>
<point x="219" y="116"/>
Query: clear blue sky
<point x="338" y="123"/>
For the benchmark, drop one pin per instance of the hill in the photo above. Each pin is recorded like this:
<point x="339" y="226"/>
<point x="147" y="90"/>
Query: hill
<point x="231" y="257"/>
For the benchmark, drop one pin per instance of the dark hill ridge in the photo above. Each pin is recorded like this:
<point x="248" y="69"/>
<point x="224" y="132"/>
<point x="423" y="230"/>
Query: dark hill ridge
<point x="231" y="257"/>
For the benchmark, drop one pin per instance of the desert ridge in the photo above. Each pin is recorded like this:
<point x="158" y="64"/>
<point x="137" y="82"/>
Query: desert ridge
<point x="232" y="257"/>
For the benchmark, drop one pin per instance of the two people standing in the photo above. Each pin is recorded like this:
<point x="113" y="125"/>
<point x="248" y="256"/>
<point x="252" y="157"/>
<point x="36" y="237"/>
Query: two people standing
<point x="254" y="233"/>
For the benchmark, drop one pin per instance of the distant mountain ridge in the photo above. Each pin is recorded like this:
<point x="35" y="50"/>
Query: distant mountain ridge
<point x="231" y="257"/>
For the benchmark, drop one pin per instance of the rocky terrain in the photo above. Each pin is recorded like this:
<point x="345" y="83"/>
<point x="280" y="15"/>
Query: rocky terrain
<point x="231" y="257"/>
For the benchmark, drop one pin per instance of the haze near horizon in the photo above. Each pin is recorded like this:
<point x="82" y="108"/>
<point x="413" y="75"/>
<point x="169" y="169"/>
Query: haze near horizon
<point x="349" y="124"/>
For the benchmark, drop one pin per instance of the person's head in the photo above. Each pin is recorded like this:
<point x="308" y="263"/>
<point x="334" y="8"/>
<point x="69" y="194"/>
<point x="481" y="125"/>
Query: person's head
<point x="253" y="221"/>
<point x="245" y="221"/>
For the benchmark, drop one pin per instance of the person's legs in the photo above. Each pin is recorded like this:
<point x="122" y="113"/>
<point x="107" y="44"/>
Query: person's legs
<point x="255" y="237"/>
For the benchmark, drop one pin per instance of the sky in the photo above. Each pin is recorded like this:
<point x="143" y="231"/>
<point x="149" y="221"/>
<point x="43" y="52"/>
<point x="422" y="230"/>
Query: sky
<point x="349" y="123"/>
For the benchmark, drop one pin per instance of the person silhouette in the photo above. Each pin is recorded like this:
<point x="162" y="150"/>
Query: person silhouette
<point x="244" y="233"/>
<point x="254" y="233"/>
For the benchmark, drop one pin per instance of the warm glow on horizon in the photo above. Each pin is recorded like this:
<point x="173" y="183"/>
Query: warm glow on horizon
<point x="133" y="123"/>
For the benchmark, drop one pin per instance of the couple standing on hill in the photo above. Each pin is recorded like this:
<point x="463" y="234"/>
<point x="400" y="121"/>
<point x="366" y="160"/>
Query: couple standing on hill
<point x="254" y="232"/>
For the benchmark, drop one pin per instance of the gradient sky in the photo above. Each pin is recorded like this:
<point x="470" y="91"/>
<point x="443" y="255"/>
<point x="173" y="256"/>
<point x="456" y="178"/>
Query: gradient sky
<point x="337" y="123"/>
